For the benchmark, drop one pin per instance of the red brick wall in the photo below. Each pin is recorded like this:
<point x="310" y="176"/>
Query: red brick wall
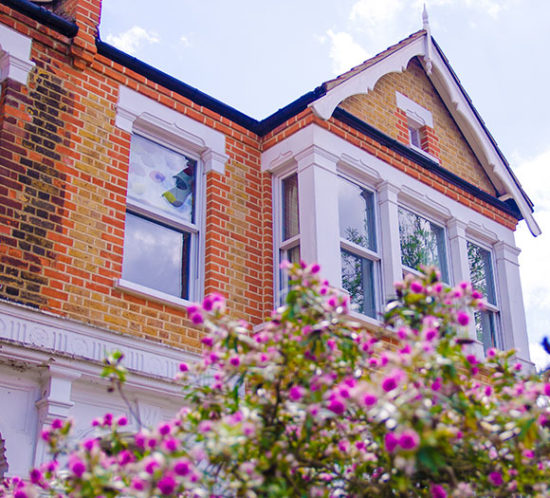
<point x="63" y="169"/>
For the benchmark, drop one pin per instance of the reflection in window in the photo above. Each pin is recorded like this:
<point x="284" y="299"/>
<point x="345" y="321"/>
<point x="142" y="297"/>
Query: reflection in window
<point x="156" y="256"/>
<point x="358" y="281"/>
<point x="422" y="243"/>
<point x="161" y="228"/>
<point x="162" y="178"/>
<point x="291" y="225"/>
<point x="358" y="245"/>
<point x="482" y="278"/>
<point x="356" y="214"/>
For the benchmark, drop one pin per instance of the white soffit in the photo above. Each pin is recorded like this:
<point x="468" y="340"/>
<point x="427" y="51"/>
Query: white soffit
<point x="456" y="102"/>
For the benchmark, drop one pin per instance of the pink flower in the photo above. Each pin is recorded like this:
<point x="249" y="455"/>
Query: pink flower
<point x="138" y="484"/>
<point x="77" y="466"/>
<point x="389" y="384"/>
<point x="35" y="476"/>
<point x="337" y="406"/>
<point x="463" y="318"/>
<point x="296" y="393"/>
<point x="197" y="318"/>
<point x="369" y="400"/>
<point x="57" y="423"/>
<point x="207" y="341"/>
<point x="165" y="429"/>
<point x="182" y="467"/>
<point x="438" y="491"/>
<point x="184" y="367"/>
<point x="528" y="453"/>
<point x="417" y="287"/>
<point x="390" y="442"/>
<point x="315" y="268"/>
<point x="409" y="440"/>
<point x="205" y="426"/>
<point x="495" y="478"/>
<point x="436" y="384"/>
<point x="235" y="361"/>
<point x="122" y="421"/>
<point x="167" y="485"/>
<point x="518" y="367"/>
<point x="547" y="389"/>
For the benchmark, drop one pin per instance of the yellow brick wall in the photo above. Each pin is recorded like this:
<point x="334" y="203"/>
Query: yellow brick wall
<point x="378" y="108"/>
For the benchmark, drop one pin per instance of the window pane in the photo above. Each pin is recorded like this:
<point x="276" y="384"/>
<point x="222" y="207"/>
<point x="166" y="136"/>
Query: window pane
<point x="356" y="214"/>
<point x="156" y="256"/>
<point x="293" y="256"/>
<point x="291" y="226"/>
<point x="422" y="242"/>
<point x="358" y="281"/>
<point x="481" y="271"/>
<point x="162" y="178"/>
<point x="486" y="329"/>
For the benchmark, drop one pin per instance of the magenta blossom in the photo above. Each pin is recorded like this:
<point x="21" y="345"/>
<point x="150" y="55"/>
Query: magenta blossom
<point x="296" y="393"/>
<point x="495" y="478"/>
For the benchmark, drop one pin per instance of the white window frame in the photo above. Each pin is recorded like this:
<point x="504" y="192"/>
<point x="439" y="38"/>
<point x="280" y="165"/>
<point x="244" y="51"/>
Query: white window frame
<point x="141" y="115"/>
<point x="365" y="253"/>
<point x="441" y="224"/>
<point x="196" y="231"/>
<point x="282" y="246"/>
<point x="492" y="308"/>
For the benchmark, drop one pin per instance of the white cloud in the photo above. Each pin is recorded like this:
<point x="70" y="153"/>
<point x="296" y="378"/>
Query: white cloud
<point x="185" y="41"/>
<point x="539" y="356"/>
<point x="132" y="40"/>
<point x="344" y="51"/>
<point x="374" y="12"/>
<point x="534" y="175"/>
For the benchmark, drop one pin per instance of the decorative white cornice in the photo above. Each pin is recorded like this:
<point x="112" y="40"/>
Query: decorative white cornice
<point x="138" y="113"/>
<point x="15" y="53"/>
<point x="364" y="81"/>
<point x="457" y="103"/>
<point x="32" y="336"/>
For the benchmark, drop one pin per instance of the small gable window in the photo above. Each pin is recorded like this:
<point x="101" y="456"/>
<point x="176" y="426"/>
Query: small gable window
<point x="415" y="124"/>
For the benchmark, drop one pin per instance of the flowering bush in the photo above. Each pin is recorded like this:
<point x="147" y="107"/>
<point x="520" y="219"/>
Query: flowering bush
<point x="315" y="404"/>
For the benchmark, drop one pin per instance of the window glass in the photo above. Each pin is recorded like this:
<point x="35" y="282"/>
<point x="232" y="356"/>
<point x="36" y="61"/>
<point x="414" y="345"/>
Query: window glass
<point x="358" y="281"/>
<point x="291" y="226"/>
<point x="486" y="329"/>
<point x="481" y="271"/>
<point x="422" y="242"/>
<point x="162" y="178"/>
<point x="156" y="256"/>
<point x="356" y="214"/>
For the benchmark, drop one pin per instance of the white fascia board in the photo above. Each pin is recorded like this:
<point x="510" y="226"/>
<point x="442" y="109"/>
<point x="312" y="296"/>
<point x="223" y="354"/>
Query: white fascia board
<point x="136" y="112"/>
<point x="365" y="80"/>
<point x="477" y="137"/>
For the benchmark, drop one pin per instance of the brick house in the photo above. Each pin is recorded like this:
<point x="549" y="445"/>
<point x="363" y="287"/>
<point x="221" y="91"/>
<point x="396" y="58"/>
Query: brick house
<point x="125" y="194"/>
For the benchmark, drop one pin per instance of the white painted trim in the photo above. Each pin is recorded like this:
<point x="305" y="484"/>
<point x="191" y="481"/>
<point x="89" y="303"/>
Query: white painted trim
<point x="414" y="111"/>
<point x="15" y="55"/>
<point x="458" y="105"/>
<point x="136" y="112"/>
<point x="148" y="293"/>
<point x="35" y="337"/>
<point x="364" y="81"/>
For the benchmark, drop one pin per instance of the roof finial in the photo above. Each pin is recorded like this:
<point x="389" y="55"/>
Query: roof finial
<point x="428" y="49"/>
<point x="425" y="20"/>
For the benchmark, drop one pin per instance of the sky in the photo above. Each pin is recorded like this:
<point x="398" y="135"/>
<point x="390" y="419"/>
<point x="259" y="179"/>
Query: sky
<point x="259" y="55"/>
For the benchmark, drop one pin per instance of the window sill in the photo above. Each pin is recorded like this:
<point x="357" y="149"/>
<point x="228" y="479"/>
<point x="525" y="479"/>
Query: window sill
<point x="424" y="153"/>
<point x="148" y="293"/>
<point x="365" y="319"/>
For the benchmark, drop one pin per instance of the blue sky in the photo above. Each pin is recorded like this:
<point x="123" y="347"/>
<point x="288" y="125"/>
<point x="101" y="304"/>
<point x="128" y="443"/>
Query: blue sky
<point x="259" y="55"/>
